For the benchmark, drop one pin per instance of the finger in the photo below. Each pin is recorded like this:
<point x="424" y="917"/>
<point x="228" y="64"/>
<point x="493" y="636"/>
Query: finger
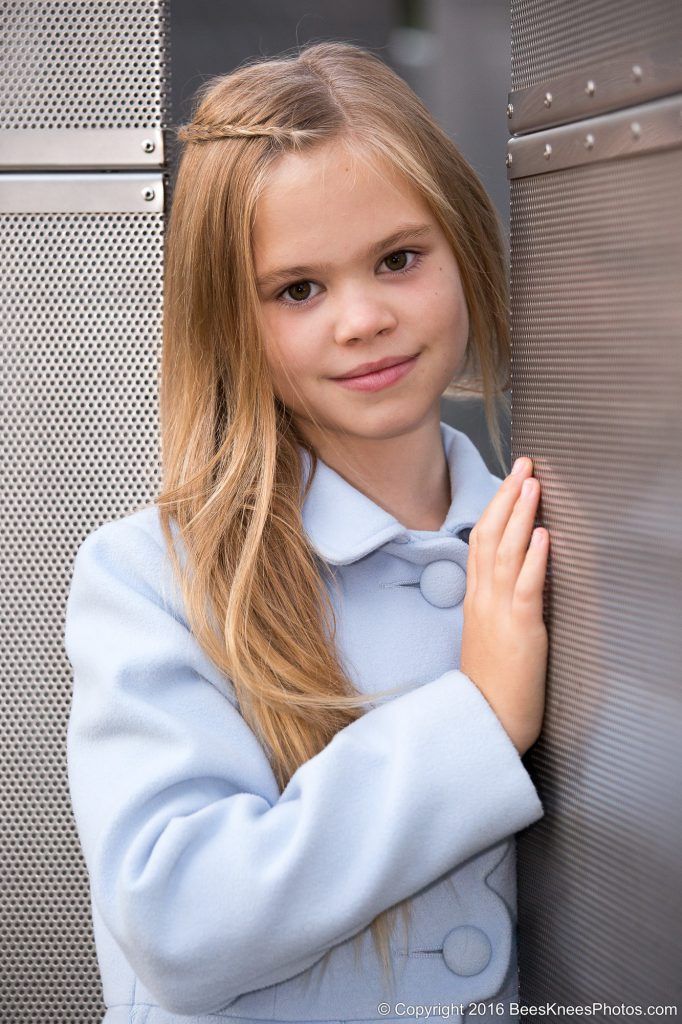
<point x="511" y="550"/>
<point x="528" y="592"/>
<point x="491" y="525"/>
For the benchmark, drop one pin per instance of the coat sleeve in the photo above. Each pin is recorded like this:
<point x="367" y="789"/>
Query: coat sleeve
<point x="213" y="882"/>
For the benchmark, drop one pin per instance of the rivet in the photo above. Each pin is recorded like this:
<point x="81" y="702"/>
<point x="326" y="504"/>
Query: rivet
<point x="637" y="72"/>
<point x="509" y="160"/>
<point x="590" y="88"/>
<point x="589" y="140"/>
<point x="510" y="110"/>
<point x="148" y="146"/>
<point x="548" y="151"/>
<point x="548" y="99"/>
<point x="148" y="194"/>
<point x="635" y="129"/>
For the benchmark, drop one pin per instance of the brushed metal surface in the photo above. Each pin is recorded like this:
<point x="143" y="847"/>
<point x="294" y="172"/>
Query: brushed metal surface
<point x="553" y="38"/>
<point x="639" y="75"/>
<point x="70" y="148"/>
<point x="641" y="129"/>
<point x="82" y="193"/>
<point x="596" y="316"/>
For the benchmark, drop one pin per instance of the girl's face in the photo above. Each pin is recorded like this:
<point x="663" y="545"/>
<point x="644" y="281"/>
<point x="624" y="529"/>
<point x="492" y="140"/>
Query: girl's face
<point x="352" y="268"/>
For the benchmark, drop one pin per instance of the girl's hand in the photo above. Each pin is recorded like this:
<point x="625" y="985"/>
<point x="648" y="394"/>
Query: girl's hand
<point x="504" y="639"/>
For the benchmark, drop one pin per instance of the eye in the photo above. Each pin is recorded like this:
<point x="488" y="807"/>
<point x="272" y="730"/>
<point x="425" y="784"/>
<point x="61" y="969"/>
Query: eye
<point x="301" y="289"/>
<point x="400" y="254"/>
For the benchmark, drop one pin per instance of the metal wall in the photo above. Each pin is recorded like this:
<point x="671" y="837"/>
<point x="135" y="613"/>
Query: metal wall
<point x="595" y="175"/>
<point x="84" y="89"/>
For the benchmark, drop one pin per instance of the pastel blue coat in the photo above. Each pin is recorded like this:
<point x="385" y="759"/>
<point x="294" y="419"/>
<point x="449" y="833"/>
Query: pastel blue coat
<point x="214" y="896"/>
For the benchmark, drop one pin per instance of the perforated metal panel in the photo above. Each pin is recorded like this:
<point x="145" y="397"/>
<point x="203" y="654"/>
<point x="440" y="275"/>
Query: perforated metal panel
<point x="574" y="59"/>
<point x="81" y="326"/>
<point x="84" y="64"/>
<point x="596" y="314"/>
<point x="551" y="38"/>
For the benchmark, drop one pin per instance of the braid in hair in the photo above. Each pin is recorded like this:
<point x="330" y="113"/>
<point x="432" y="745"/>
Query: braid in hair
<point x="210" y="133"/>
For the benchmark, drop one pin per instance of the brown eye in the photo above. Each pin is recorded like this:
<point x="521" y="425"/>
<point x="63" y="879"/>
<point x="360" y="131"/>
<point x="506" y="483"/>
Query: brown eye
<point x="400" y="257"/>
<point x="300" y="290"/>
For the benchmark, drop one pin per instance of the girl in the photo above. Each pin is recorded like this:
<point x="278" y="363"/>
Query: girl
<point x="300" y="696"/>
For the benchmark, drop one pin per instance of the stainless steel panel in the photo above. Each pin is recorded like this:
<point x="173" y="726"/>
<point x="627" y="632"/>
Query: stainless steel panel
<point x="642" y="129"/>
<point x="82" y="193"/>
<point x="596" y="314"/>
<point x="81" y="324"/>
<point x="84" y="64"/>
<point x="573" y="59"/>
<point x="53" y="148"/>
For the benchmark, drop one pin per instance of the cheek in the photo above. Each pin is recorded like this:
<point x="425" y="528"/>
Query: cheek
<point x="460" y="312"/>
<point x="457" y="313"/>
<point x="288" y="348"/>
<point x="445" y="308"/>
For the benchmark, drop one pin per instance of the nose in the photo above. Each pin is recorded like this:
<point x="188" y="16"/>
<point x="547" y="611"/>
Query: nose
<point x="362" y="317"/>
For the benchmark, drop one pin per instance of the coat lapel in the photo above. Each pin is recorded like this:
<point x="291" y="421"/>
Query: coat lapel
<point x="343" y="524"/>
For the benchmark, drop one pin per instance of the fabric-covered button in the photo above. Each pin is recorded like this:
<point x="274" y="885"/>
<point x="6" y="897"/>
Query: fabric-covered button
<point x="443" y="583"/>
<point x="467" y="950"/>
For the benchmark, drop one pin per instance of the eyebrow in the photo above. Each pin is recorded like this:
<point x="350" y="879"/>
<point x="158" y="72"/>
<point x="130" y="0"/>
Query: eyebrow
<point x="407" y="231"/>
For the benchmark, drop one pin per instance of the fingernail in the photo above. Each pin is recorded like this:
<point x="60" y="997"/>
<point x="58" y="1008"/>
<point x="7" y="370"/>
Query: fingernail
<point x="518" y="465"/>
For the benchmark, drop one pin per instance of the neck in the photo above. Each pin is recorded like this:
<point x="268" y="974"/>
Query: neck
<point x="406" y="474"/>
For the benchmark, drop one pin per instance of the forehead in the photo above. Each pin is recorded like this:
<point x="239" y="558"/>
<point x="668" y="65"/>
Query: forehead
<point x="330" y="196"/>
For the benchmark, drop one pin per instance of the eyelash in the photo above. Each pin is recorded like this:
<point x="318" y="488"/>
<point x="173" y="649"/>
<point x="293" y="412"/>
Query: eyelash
<point x="394" y="273"/>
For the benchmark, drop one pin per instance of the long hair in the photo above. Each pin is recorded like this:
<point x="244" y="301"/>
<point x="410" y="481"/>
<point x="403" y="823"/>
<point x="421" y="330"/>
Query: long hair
<point x="256" y="594"/>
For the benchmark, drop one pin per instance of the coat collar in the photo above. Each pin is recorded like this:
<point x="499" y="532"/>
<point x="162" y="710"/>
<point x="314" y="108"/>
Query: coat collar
<point x="343" y="524"/>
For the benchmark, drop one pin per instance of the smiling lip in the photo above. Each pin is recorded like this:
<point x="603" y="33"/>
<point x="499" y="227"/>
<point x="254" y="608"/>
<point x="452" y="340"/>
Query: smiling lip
<point x="385" y="372"/>
<point x="380" y="364"/>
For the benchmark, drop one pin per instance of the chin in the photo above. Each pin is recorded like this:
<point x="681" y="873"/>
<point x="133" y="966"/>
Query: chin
<point x="387" y="420"/>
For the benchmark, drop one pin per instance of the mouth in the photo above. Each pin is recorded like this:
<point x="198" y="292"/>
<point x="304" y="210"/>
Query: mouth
<point x="366" y="368"/>
<point x="379" y="375"/>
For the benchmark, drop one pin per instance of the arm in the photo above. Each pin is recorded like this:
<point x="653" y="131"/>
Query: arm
<point x="192" y="852"/>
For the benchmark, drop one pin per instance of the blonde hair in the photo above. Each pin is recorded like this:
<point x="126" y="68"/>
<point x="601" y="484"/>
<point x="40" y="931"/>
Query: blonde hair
<point x="255" y="592"/>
